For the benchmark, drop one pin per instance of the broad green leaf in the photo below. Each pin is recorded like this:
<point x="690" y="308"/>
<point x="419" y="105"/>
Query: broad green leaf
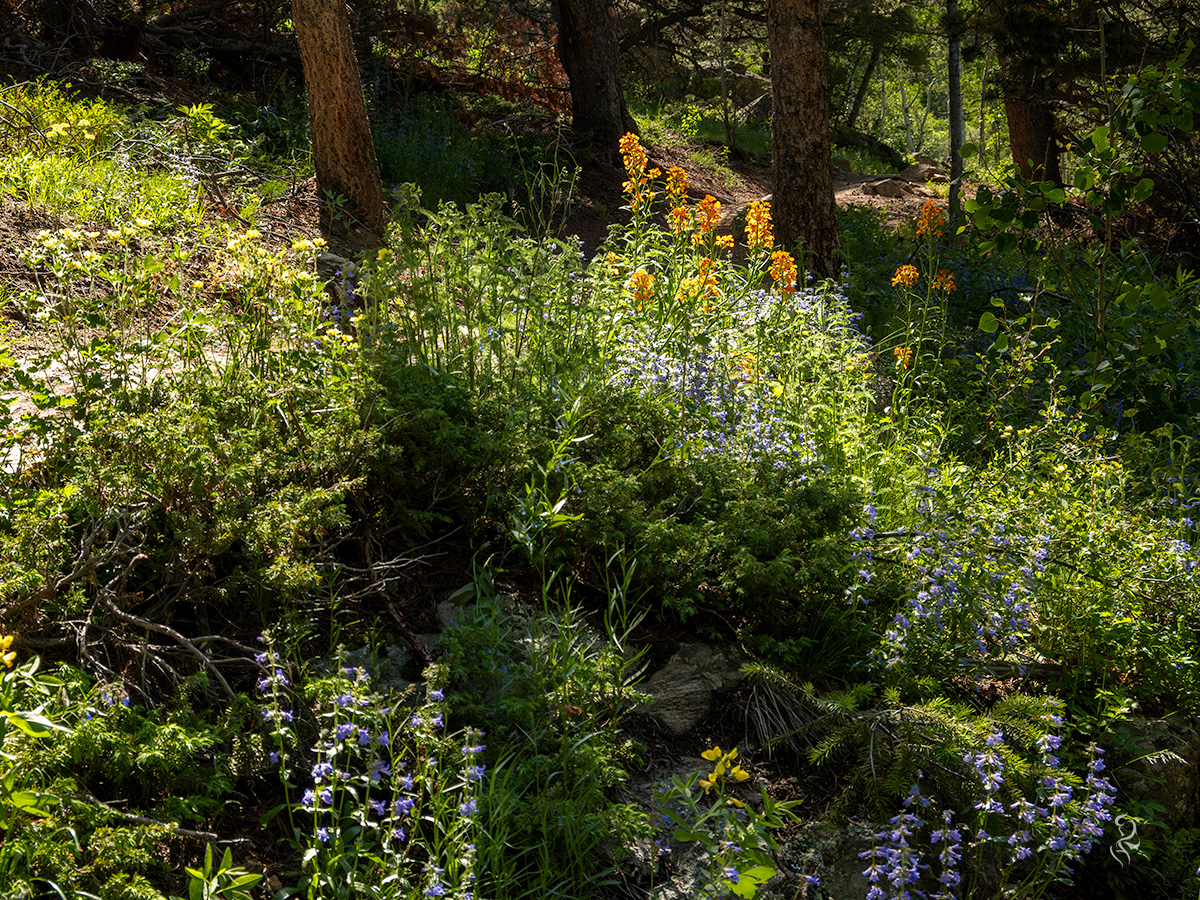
<point x="988" y="323"/>
<point x="1001" y="342"/>
<point x="32" y="723"/>
<point x="1144" y="189"/>
<point x="1154" y="142"/>
<point x="968" y="150"/>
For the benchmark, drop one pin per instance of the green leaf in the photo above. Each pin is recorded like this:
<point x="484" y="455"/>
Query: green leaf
<point x="988" y="323"/>
<point x="1154" y="142"/>
<point x="968" y="150"/>
<point x="1001" y="342"/>
<point x="683" y="836"/>
<point x="32" y="723"/>
<point x="1144" y="189"/>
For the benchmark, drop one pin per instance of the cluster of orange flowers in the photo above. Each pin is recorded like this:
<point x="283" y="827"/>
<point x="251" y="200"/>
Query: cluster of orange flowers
<point x="931" y="220"/>
<point x="758" y="226"/>
<point x="637" y="187"/>
<point x="783" y="272"/>
<point x="905" y="275"/>
<point x="710" y="215"/>
<point x="903" y="356"/>
<point x="641" y="285"/>
<point x="944" y="281"/>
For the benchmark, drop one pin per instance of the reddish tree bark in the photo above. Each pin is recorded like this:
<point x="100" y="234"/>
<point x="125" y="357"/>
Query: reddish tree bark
<point x="803" y="207"/>
<point x="343" y="152"/>
<point x="1032" y="138"/>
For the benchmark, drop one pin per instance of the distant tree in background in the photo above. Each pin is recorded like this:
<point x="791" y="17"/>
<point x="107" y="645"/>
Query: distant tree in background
<point x="343" y="151"/>
<point x="803" y="205"/>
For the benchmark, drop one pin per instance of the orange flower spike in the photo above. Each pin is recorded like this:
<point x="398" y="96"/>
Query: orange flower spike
<point x="931" y="220"/>
<point x="641" y="285"/>
<point x="783" y="272"/>
<point x="710" y="213"/>
<point x="725" y="241"/>
<point x="677" y="184"/>
<point x="905" y="275"/>
<point x="681" y="216"/>
<point x="945" y="281"/>
<point x="758" y="226"/>
<point x="903" y="356"/>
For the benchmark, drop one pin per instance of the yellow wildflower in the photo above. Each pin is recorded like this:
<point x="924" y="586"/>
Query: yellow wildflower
<point x="7" y="656"/>
<point x="758" y="226"/>
<point x="903" y="356"/>
<point x="905" y="275"/>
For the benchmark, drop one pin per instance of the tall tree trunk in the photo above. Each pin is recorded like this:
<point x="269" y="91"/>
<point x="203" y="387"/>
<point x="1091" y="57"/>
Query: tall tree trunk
<point x="861" y="95"/>
<point x="343" y="153"/>
<point x="804" y="210"/>
<point x="590" y="55"/>
<point x="954" y="74"/>
<point x="1031" y="136"/>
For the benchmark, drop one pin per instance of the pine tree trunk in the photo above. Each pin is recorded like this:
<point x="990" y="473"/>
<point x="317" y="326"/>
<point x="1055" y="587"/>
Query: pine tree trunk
<point x="803" y="207"/>
<point x="343" y="153"/>
<point x="590" y="55"/>
<point x="1031" y="137"/>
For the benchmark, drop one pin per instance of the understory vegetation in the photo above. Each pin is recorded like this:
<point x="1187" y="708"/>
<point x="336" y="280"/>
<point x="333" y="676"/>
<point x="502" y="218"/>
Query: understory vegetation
<point x="943" y="510"/>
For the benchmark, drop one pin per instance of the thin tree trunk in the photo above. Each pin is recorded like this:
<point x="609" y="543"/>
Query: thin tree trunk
<point x="954" y="72"/>
<point x="804" y="209"/>
<point x="983" y="138"/>
<point x="861" y="94"/>
<point x="343" y="152"/>
<point x="908" y="134"/>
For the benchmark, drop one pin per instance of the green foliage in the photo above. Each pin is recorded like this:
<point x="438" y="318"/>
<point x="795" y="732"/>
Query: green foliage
<point x="554" y="693"/>
<point x="223" y="881"/>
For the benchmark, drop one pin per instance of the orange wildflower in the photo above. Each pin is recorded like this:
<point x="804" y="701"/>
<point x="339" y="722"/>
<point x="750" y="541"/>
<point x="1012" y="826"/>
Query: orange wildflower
<point x="681" y="216"/>
<point x="677" y="184"/>
<point x="710" y="215"/>
<point x="783" y="272"/>
<point x="634" y="156"/>
<point x="944" y="281"/>
<point x="903" y="356"/>
<point x="758" y="226"/>
<point x="724" y="241"/>
<point x="905" y="275"/>
<point x="931" y="220"/>
<point x="641" y="285"/>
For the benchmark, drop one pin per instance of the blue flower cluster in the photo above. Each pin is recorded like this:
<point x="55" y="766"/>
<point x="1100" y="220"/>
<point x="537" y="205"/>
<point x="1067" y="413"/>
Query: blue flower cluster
<point x="1044" y="835"/>
<point x="364" y="788"/>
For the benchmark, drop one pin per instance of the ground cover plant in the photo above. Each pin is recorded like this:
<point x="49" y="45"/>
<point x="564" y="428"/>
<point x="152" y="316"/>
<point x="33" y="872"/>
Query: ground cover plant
<point x="230" y="471"/>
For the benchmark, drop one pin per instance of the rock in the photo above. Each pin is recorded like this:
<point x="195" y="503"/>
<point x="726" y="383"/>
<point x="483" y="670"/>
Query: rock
<point x="1165" y="770"/>
<point x="831" y="852"/>
<point x="921" y="173"/>
<point x="683" y="688"/>
<point x="889" y="187"/>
